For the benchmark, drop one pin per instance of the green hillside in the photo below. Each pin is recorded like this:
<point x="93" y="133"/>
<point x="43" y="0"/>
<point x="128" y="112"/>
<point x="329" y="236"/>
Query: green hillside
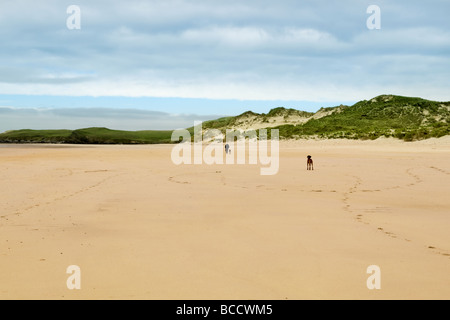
<point x="108" y="136"/>
<point x="86" y="136"/>
<point x="35" y="136"/>
<point x="390" y="116"/>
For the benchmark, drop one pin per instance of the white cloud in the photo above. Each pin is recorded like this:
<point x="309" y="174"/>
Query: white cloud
<point x="234" y="36"/>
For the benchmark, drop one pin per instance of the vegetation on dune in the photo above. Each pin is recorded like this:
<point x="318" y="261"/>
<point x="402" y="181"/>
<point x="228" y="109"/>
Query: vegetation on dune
<point x="384" y="116"/>
<point x="283" y="112"/>
<point x="108" y="136"/>
<point x="86" y="136"/>
<point x="219" y="124"/>
<point x="389" y="116"/>
<point x="35" y="136"/>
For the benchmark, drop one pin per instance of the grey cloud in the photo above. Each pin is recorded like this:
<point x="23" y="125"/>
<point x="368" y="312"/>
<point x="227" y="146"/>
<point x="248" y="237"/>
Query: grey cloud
<point x="75" y="118"/>
<point x="107" y="113"/>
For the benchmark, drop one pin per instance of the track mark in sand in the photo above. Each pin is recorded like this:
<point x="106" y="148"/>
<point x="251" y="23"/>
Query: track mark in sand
<point x="435" y="250"/>
<point x="85" y="189"/>
<point x="392" y="234"/>
<point x="415" y="176"/>
<point x="377" y="209"/>
<point x="360" y="217"/>
<point x="408" y="172"/>
<point x="346" y="196"/>
<point x="176" y="179"/>
<point x="222" y="178"/>
<point x="439" y="251"/>
<point x="172" y="179"/>
<point x="440" y="170"/>
<point x="94" y="171"/>
<point x="355" y="188"/>
<point x="70" y="172"/>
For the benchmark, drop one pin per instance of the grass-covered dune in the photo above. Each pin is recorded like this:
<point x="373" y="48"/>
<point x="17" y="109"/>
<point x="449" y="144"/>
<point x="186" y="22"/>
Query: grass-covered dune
<point x="87" y="136"/>
<point x="400" y="117"/>
<point x="389" y="116"/>
<point x="35" y="136"/>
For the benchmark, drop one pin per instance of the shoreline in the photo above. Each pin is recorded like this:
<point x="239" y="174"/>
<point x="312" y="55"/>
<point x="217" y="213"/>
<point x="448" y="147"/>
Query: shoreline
<point x="434" y="142"/>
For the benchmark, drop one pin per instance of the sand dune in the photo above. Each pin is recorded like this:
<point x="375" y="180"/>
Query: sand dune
<point x="140" y="227"/>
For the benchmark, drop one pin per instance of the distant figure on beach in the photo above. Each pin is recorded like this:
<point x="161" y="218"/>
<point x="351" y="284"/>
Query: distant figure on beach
<point x="309" y="163"/>
<point x="227" y="148"/>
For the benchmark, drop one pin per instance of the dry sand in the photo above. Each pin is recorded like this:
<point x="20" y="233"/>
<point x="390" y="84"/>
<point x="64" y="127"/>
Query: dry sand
<point x="140" y="227"/>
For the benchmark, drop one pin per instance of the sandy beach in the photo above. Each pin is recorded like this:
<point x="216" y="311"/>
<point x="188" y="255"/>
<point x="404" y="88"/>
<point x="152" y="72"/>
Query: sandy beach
<point x="141" y="227"/>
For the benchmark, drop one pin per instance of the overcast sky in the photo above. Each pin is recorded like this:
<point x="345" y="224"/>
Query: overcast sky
<point x="160" y="64"/>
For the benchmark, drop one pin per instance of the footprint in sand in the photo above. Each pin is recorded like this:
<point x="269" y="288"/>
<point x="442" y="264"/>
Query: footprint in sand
<point x="390" y="234"/>
<point x="172" y="179"/>
<point x="440" y="170"/>
<point x="439" y="251"/>
<point x="416" y="177"/>
<point x="377" y="209"/>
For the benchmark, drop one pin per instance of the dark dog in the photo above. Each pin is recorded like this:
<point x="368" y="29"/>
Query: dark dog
<point x="309" y="163"/>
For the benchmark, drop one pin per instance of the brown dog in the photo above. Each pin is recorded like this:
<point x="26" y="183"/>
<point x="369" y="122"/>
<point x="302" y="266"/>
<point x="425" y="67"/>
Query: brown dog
<point x="309" y="163"/>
